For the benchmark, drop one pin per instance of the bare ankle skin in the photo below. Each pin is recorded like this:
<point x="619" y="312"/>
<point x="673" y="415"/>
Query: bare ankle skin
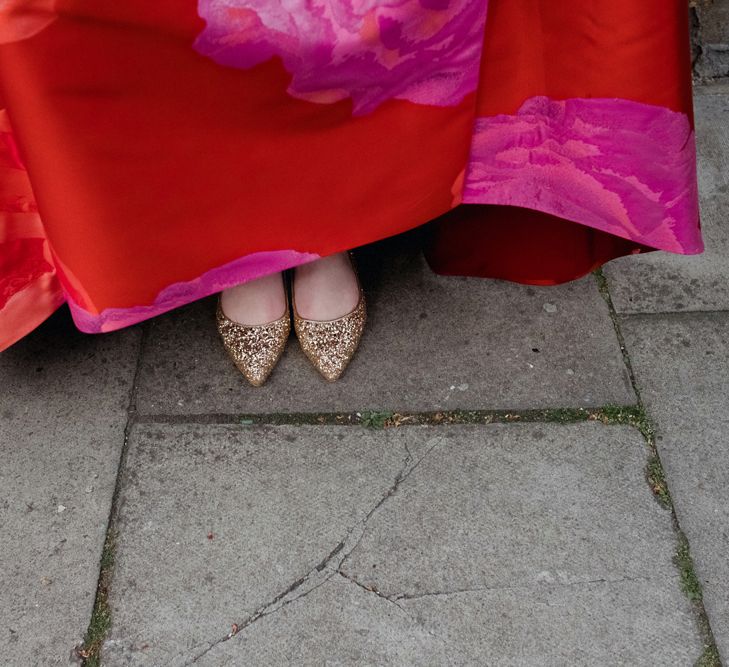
<point x="326" y="288"/>
<point x="256" y="302"/>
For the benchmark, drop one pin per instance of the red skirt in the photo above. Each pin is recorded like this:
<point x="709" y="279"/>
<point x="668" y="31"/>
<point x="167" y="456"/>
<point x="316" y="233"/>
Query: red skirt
<point x="153" y="153"/>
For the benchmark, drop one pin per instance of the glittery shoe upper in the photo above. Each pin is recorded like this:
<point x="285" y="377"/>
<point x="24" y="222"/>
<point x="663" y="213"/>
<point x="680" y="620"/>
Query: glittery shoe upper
<point x="254" y="349"/>
<point x="330" y="345"/>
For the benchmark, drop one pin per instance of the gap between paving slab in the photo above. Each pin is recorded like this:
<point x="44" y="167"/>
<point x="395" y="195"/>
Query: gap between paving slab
<point x="680" y="365"/>
<point x="60" y="441"/>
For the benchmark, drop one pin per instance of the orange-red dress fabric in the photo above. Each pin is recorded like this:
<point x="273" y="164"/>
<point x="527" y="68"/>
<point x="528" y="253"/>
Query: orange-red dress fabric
<point x="152" y="153"/>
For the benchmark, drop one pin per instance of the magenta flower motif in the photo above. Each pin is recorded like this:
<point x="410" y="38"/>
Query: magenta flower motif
<point x="624" y="167"/>
<point x="424" y="51"/>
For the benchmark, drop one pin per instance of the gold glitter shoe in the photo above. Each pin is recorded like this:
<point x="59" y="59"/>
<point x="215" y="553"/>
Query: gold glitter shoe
<point x="331" y="344"/>
<point x="255" y="349"/>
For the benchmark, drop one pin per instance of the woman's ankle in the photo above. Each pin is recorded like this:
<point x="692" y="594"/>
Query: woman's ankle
<point x="255" y="302"/>
<point x="327" y="288"/>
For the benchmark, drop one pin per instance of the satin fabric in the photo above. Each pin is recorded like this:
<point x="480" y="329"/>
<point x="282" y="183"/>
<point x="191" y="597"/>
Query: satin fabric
<point x="154" y="153"/>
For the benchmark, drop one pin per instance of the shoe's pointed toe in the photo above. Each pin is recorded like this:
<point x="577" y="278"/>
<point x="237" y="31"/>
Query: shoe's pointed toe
<point x="330" y="345"/>
<point x="255" y="350"/>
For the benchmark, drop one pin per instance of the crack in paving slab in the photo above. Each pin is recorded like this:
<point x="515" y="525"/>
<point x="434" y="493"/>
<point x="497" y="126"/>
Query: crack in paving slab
<point x="336" y="555"/>
<point x="325" y="570"/>
<point x="391" y="600"/>
<point x="526" y="587"/>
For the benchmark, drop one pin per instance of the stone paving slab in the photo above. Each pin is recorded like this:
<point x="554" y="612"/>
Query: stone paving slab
<point x="498" y="544"/>
<point x="680" y="363"/>
<point x="62" y="417"/>
<point x="340" y="624"/>
<point x="664" y="282"/>
<point x="432" y="343"/>
<point x="275" y="500"/>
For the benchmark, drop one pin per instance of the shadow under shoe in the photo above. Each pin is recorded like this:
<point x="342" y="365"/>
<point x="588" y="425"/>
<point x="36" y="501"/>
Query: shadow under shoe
<point x="331" y="344"/>
<point x="255" y="349"/>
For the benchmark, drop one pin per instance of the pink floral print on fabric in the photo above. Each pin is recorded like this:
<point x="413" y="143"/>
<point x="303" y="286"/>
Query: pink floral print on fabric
<point x="424" y="51"/>
<point x="619" y="166"/>
<point x="29" y="287"/>
<point x="233" y="273"/>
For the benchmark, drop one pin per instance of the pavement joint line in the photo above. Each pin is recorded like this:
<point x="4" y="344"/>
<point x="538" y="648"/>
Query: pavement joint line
<point x="604" y="288"/>
<point x="607" y="414"/>
<point x="100" y="622"/>
<point x="656" y="478"/>
<point x="677" y="314"/>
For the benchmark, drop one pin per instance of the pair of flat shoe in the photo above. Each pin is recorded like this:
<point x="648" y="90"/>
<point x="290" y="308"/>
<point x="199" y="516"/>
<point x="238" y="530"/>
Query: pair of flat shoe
<point x="328" y="344"/>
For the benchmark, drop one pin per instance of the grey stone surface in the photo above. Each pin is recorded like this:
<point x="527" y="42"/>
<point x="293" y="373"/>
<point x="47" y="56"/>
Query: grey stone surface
<point x="664" y="282"/>
<point x="276" y="501"/>
<point x="533" y="504"/>
<point x="598" y="624"/>
<point x="499" y="544"/>
<point x="626" y="622"/>
<point x="711" y="38"/>
<point x="432" y="343"/>
<point x="62" y="417"/>
<point x="680" y="362"/>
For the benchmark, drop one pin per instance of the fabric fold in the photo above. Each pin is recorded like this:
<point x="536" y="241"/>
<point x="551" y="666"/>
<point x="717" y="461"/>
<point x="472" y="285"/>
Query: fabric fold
<point x="160" y="152"/>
